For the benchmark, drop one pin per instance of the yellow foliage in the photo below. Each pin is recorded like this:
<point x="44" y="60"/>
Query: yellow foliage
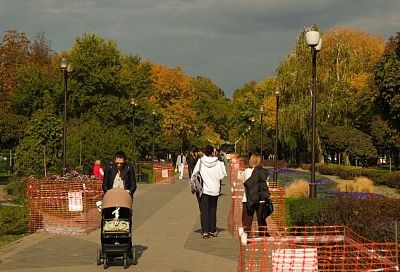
<point x="211" y="136"/>
<point x="173" y="98"/>
<point x="269" y="105"/>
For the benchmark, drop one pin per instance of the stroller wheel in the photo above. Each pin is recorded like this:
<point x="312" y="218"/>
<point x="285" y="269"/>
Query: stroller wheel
<point x="125" y="261"/>
<point x="134" y="260"/>
<point x="105" y="262"/>
<point x="99" y="259"/>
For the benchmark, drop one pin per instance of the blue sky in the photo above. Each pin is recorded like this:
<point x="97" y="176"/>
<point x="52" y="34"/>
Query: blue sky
<point x="229" y="41"/>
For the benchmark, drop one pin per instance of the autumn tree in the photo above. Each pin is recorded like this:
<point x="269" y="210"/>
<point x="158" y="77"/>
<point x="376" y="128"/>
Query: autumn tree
<point x="345" y="84"/>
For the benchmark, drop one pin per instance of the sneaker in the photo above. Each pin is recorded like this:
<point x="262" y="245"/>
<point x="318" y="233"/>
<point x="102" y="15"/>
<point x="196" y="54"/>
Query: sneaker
<point x="213" y="234"/>
<point x="205" y="236"/>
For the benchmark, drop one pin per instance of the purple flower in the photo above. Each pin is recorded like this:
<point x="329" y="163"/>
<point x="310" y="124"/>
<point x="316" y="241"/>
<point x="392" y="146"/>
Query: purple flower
<point x="359" y="195"/>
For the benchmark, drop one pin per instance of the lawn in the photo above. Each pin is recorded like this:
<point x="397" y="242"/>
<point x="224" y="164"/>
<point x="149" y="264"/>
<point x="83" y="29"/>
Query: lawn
<point x="8" y="239"/>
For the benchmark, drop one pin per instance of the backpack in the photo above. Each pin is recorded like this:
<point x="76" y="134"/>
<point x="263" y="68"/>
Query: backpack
<point x="196" y="183"/>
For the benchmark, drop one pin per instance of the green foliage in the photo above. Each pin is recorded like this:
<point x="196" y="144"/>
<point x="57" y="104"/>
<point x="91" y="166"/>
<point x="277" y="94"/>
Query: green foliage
<point x="17" y="190"/>
<point x="13" y="220"/>
<point x="12" y="127"/>
<point x="305" y="212"/>
<point x="95" y="141"/>
<point x="40" y="146"/>
<point x="379" y="213"/>
<point x="37" y="88"/>
<point x="349" y="140"/>
<point x="387" y="77"/>
<point x="354" y="213"/>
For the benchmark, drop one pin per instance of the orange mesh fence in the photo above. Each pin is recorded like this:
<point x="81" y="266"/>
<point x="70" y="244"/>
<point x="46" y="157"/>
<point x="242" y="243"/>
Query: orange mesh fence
<point x="327" y="248"/>
<point x="235" y="212"/>
<point x="163" y="173"/>
<point x="64" y="206"/>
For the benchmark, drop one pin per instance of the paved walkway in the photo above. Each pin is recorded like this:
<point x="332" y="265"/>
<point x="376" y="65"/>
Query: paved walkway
<point x="166" y="235"/>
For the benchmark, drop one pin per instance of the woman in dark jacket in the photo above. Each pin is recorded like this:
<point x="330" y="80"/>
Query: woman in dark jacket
<point x="119" y="175"/>
<point x="256" y="193"/>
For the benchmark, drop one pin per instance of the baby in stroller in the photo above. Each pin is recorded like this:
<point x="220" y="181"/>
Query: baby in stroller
<point x="116" y="228"/>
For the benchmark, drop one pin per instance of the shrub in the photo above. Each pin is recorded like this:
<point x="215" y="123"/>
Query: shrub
<point x="360" y="184"/>
<point x="305" y="212"/>
<point x="371" y="218"/>
<point x="17" y="190"/>
<point x="378" y="176"/>
<point x="13" y="220"/>
<point x="298" y="189"/>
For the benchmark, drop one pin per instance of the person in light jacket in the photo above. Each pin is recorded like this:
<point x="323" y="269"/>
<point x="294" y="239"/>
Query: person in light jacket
<point x="180" y="164"/>
<point x="212" y="172"/>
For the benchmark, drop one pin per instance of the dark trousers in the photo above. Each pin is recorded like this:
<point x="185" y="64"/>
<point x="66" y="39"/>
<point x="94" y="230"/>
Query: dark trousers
<point x="208" y="213"/>
<point x="247" y="217"/>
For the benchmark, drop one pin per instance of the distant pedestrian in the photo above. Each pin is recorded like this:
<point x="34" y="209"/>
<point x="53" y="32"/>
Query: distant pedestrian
<point x="191" y="161"/>
<point x="97" y="170"/>
<point x="180" y="164"/>
<point x="212" y="172"/>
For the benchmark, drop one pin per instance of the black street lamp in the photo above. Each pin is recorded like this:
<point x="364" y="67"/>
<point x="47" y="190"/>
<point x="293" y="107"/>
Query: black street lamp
<point x="261" y="131"/>
<point x="275" y="176"/>
<point x="133" y="104"/>
<point x="65" y="67"/>
<point x="154" y="130"/>
<point x="247" y="140"/>
<point x="314" y="41"/>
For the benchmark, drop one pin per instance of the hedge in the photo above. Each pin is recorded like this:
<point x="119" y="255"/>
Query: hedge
<point x="379" y="177"/>
<point x="373" y="219"/>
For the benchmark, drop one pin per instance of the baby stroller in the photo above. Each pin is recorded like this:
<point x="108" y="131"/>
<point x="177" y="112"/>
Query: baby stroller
<point x="116" y="228"/>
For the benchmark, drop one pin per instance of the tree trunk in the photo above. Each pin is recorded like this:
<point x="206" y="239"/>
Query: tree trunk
<point x="346" y="159"/>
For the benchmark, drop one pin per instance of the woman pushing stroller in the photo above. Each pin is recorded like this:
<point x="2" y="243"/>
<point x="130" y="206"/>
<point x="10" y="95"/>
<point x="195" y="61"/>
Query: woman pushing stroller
<point x="119" y="185"/>
<point x="119" y="175"/>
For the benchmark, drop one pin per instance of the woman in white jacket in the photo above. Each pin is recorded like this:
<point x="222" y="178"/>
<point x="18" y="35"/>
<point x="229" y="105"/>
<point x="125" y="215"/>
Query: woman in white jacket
<point x="212" y="172"/>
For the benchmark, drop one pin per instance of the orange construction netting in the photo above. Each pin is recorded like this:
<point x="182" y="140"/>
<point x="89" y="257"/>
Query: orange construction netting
<point x="64" y="206"/>
<point x="163" y="173"/>
<point x="324" y="248"/>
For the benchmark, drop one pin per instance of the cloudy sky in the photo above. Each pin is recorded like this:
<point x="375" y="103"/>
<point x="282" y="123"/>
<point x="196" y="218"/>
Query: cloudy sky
<point x="229" y="41"/>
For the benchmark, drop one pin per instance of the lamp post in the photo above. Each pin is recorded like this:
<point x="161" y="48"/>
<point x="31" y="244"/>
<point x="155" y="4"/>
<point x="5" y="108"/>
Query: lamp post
<point x="314" y="41"/>
<point x="65" y="67"/>
<point x="154" y="130"/>
<point x="133" y="104"/>
<point x="261" y="131"/>
<point x="275" y="176"/>
<point x="247" y="140"/>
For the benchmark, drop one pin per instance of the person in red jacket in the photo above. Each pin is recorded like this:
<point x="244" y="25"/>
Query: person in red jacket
<point x="97" y="170"/>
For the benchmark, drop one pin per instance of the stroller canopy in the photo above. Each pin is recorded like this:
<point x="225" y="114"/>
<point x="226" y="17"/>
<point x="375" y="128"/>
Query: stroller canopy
<point x="116" y="197"/>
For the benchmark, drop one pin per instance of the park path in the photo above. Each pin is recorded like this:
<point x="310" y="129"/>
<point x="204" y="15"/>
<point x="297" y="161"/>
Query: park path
<point x="166" y="234"/>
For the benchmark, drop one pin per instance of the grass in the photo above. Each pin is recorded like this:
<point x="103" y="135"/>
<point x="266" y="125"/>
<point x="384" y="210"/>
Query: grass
<point x="299" y="188"/>
<point x="360" y="184"/>
<point x="8" y="239"/>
